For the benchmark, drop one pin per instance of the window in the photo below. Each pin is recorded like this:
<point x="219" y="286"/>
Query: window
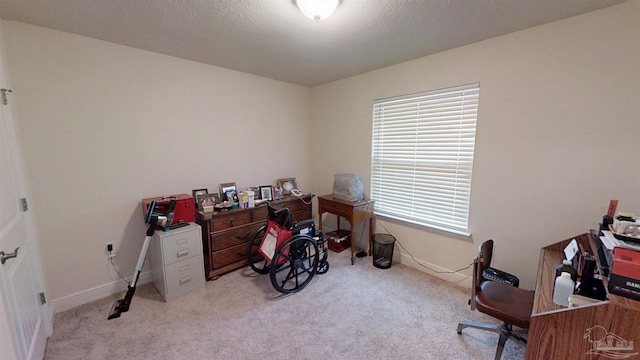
<point x="422" y="157"/>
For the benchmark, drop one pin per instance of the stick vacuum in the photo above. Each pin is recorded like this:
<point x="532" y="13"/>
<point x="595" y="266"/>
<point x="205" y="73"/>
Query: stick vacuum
<point x="155" y="217"/>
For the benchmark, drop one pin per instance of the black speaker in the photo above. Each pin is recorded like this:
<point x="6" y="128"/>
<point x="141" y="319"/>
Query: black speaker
<point x="606" y="221"/>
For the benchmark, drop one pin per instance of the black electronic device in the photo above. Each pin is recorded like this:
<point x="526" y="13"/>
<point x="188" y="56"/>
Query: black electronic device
<point x="591" y="284"/>
<point x="606" y="221"/>
<point x="605" y="256"/>
<point x="501" y="276"/>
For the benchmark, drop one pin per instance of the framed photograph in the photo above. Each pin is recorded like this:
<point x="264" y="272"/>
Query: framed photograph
<point x="228" y="191"/>
<point x="266" y="192"/>
<point x="207" y="202"/>
<point x="256" y="191"/>
<point x="287" y="184"/>
<point x="197" y="196"/>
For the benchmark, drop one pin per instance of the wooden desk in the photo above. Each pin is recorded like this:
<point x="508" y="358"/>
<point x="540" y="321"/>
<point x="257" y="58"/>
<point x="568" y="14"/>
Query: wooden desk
<point x="352" y="211"/>
<point x="557" y="332"/>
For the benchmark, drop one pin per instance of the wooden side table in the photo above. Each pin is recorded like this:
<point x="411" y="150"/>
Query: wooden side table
<point x="352" y="211"/>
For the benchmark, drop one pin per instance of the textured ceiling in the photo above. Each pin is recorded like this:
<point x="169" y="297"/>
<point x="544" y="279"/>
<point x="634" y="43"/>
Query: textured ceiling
<point x="272" y="38"/>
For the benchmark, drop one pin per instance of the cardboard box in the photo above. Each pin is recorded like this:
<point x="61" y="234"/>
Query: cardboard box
<point x="625" y="273"/>
<point x="626" y="262"/>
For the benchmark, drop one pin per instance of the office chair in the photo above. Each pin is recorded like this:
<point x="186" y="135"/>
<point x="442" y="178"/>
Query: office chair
<point x="507" y="303"/>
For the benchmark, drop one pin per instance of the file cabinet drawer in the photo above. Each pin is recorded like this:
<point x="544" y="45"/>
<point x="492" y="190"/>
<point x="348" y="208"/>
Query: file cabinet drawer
<point x="180" y="246"/>
<point x="184" y="277"/>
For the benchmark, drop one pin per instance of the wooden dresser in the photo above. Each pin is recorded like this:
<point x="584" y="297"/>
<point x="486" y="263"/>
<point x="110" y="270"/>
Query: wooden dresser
<point x="226" y="234"/>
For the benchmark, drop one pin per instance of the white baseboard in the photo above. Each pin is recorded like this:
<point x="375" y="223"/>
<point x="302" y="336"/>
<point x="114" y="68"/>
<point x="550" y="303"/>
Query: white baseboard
<point x="96" y="293"/>
<point x="435" y="270"/>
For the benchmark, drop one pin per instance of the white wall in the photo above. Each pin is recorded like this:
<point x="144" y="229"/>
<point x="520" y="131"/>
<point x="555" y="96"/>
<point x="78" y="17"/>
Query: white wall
<point x="104" y="126"/>
<point x="557" y="135"/>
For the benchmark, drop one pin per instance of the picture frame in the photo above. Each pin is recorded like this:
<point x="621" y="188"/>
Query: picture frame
<point x="228" y="191"/>
<point x="197" y="196"/>
<point x="208" y="201"/>
<point x="214" y="198"/>
<point x="287" y="184"/>
<point x="266" y="192"/>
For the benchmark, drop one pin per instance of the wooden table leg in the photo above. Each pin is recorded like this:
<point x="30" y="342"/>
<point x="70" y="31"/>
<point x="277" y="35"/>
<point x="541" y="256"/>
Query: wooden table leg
<point x="352" y="239"/>
<point x="370" y="234"/>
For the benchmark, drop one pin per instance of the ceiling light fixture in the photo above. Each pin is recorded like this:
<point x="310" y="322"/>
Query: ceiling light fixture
<point x="317" y="9"/>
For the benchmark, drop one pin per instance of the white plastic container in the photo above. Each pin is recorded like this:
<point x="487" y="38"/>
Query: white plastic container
<point x="247" y="199"/>
<point x="563" y="289"/>
<point x="251" y="195"/>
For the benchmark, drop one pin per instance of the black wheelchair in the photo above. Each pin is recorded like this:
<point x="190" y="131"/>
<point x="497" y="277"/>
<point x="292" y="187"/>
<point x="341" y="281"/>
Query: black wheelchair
<point x="297" y="259"/>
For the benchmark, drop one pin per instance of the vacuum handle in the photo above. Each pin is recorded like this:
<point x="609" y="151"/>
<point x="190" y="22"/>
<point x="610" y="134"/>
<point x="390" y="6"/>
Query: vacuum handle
<point x="170" y="207"/>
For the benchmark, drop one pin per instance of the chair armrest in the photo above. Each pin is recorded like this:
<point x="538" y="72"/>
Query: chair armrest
<point x="297" y="227"/>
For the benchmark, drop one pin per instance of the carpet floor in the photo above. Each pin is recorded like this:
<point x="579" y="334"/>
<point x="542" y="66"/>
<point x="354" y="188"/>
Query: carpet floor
<point x="351" y="312"/>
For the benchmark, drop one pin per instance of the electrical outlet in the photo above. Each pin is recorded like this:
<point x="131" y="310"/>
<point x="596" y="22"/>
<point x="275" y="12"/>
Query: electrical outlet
<point x="110" y="250"/>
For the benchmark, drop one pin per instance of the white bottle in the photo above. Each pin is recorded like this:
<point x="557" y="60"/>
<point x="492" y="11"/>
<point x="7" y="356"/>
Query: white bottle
<point x="563" y="289"/>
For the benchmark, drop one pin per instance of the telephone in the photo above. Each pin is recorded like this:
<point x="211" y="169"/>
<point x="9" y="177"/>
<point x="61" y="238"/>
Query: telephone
<point x="296" y="192"/>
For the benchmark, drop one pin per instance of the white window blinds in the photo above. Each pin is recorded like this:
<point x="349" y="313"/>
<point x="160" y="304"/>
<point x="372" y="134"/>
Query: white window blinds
<point x="422" y="157"/>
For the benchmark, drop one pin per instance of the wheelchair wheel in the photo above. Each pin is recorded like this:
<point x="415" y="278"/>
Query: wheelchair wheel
<point x="297" y="262"/>
<point x="257" y="262"/>
<point x="323" y="265"/>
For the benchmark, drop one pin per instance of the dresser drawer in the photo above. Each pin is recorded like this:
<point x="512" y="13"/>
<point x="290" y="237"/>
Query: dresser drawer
<point x="232" y="219"/>
<point x="338" y="209"/>
<point x="226" y="239"/>
<point x="230" y="255"/>
<point x="183" y="277"/>
<point x="260" y="213"/>
<point x="181" y="245"/>
<point x="300" y="216"/>
<point x="298" y="206"/>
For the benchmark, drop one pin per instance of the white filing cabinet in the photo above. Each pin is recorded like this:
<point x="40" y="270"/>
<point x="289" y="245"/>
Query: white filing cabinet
<point x="176" y="258"/>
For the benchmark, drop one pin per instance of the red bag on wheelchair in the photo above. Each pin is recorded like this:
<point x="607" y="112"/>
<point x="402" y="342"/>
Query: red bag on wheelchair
<point x="273" y="238"/>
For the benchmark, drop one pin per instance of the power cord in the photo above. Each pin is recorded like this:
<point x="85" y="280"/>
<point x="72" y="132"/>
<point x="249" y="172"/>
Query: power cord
<point x="301" y="197"/>
<point x="423" y="265"/>
<point x="110" y="260"/>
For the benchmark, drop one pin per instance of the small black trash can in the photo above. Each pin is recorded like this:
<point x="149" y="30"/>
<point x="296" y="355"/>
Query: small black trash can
<point x="383" y="250"/>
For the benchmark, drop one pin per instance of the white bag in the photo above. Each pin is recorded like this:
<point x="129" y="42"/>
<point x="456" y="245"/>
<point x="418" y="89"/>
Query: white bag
<point x="347" y="187"/>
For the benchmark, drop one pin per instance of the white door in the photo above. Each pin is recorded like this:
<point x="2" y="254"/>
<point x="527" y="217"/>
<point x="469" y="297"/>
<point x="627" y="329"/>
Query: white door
<point x="25" y="322"/>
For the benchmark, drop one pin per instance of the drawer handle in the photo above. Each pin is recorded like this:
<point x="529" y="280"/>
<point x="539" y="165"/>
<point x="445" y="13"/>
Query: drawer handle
<point x="184" y="268"/>
<point x="181" y="241"/>
<point x="182" y="253"/>
<point x="241" y="253"/>
<point x="245" y="236"/>
<point x="185" y="280"/>
<point x="231" y="221"/>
